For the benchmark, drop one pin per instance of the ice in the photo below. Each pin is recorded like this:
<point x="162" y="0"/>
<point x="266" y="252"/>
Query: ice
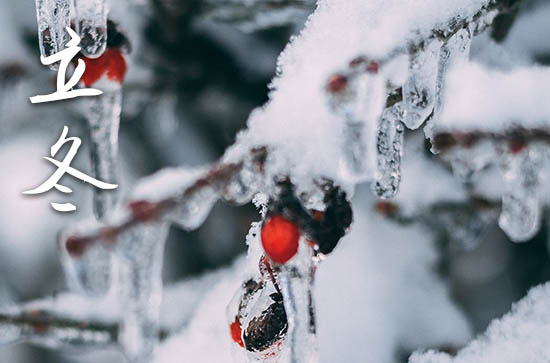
<point x="141" y="252"/>
<point x="296" y="279"/>
<point x="91" y="26"/>
<point x="521" y="211"/>
<point x="468" y="161"/>
<point x="88" y="269"/>
<point x="455" y="51"/>
<point x="358" y="99"/>
<point x="53" y="16"/>
<point x="244" y="184"/>
<point x="390" y="150"/>
<point x="103" y="117"/>
<point x="419" y="91"/>
<point x="517" y="337"/>
<point x="191" y="212"/>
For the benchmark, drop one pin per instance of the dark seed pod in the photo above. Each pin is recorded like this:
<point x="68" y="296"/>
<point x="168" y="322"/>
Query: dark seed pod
<point x="269" y="327"/>
<point x="335" y="221"/>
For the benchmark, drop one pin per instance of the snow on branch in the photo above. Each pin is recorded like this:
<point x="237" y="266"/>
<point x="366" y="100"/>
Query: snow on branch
<point x="520" y="336"/>
<point x="503" y="106"/>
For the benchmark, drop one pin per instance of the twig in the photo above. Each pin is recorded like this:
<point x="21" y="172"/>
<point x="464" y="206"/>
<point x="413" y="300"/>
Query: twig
<point x="144" y="211"/>
<point x="517" y="138"/>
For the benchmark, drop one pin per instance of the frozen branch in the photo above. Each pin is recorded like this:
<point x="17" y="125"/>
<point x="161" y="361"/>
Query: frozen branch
<point x="143" y="211"/>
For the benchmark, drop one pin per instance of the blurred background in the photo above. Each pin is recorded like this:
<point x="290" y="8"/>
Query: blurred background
<point x="196" y="70"/>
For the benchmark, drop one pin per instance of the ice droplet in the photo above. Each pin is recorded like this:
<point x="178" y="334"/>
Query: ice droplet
<point x="296" y="280"/>
<point x="141" y="252"/>
<point x="53" y="16"/>
<point x="91" y="26"/>
<point x="521" y="210"/>
<point x="390" y="150"/>
<point x="420" y="87"/>
<point x="104" y="119"/>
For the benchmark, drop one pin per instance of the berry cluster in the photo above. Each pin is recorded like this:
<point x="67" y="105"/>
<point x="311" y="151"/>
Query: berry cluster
<point x="287" y="220"/>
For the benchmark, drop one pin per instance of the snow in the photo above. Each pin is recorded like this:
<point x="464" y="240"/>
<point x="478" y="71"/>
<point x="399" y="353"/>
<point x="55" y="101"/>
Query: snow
<point x="485" y="99"/>
<point x="314" y="146"/>
<point x="518" y="337"/>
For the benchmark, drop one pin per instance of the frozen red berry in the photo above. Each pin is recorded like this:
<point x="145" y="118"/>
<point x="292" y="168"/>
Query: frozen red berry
<point x="337" y="83"/>
<point x="372" y="67"/>
<point x="280" y="239"/>
<point x="236" y="332"/>
<point x="110" y="64"/>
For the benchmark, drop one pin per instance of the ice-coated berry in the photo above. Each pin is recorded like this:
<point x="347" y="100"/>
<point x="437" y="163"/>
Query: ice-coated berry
<point x="280" y="239"/>
<point x="236" y="332"/>
<point x="111" y="64"/>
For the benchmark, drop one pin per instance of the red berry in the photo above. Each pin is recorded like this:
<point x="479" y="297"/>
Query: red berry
<point x="373" y="67"/>
<point x="280" y="239"/>
<point x="337" y="83"/>
<point x="111" y="63"/>
<point x="236" y="332"/>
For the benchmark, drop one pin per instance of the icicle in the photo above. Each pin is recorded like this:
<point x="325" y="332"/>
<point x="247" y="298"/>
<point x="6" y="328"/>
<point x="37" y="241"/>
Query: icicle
<point x="193" y="209"/>
<point x="456" y="49"/>
<point x="141" y="252"/>
<point x="88" y="269"/>
<point x="296" y="280"/>
<point x="521" y="210"/>
<point x="53" y="16"/>
<point x="390" y="149"/>
<point x="419" y="91"/>
<point x="91" y="26"/>
<point x="104" y="119"/>
<point x="359" y="101"/>
<point x="466" y="162"/>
